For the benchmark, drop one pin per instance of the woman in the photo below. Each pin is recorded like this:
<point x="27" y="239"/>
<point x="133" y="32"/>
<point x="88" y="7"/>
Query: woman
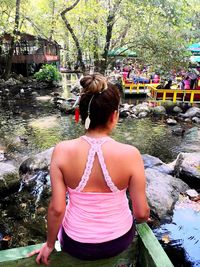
<point x="96" y="171"/>
<point x="187" y="83"/>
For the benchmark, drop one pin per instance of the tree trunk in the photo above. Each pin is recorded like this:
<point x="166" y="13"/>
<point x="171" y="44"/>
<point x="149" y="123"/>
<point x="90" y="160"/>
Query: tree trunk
<point x="110" y="23"/>
<point x="96" y="55"/>
<point x="67" y="24"/>
<point x="8" y="66"/>
<point x="52" y="21"/>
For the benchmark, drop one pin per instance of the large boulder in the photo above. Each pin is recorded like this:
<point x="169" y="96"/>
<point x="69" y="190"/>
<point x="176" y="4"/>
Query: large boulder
<point x="163" y="192"/>
<point x="40" y="161"/>
<point x="9" y="179"/>
<point x="156" y="164"/>
<point x="187" y="167"/>
<point x="191" y="112"/>
<point x="141" y="108"/>
<point x="159" y="110"/>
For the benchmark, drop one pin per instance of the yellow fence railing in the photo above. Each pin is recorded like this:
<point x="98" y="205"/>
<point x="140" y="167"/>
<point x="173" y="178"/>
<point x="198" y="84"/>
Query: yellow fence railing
<point x="175" y="95"/>
<point x="134" y="88"/>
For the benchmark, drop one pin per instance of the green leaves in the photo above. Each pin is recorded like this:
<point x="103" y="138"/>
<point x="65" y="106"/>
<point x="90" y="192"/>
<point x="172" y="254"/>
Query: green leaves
<point x="158" y="30"/>
<point x="48" y="73"/>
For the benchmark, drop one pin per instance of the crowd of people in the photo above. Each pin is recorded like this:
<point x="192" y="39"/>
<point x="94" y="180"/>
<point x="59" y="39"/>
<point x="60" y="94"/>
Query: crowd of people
<point x="135" y="73"/>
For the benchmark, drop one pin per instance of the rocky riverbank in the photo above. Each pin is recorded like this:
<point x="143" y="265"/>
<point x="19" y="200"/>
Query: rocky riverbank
<point x="25" y="187"/>
<point x="28" y="190"/>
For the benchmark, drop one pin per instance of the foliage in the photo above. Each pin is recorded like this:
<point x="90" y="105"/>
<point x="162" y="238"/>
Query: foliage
<point x="48" y="73"/>
<point x="158" y="30"/>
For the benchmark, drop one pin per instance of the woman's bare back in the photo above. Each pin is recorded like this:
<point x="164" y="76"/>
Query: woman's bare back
<point x="117" y="157"/>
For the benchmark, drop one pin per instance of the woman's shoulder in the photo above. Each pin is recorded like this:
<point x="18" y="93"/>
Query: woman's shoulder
<point x="126" y="148"/>
<point x="66" y="145"/>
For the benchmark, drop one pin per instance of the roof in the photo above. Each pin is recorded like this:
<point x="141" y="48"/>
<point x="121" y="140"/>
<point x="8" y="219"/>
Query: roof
<point x="26" y="37"/>
<point x="122" y="51"/>
<point x="194" y="47"/>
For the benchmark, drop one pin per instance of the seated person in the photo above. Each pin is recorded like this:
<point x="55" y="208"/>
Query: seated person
<point x="187" y="83"/>
<point x="168" y="84"/>
<point x="97" y="221"/>
<point x="156" y="78"/>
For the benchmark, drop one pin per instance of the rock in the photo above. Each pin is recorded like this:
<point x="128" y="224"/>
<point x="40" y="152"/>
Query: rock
<point x="2" y="155"/>
<point x="124" y="113"/>
<point x="179" y="131"/>
<point x="177" y="109"/>
<point x="191" y="142"/>
<point x="126" y="106"/>
<point x="163" y="192"/>
<point x="71" y="100"/>
<point x="143" y="114"/>
<point x="188" y="120"/>
<point x="9" y="179"/>
<point x="34" y="94"/>
<point x="40" y="161"/>
<point x="171" y="121"/>
<point x="156" y="164"/>
<point x="196" y="120"/>
<point x="159" y="110"/>
<point x="144" y="107"/>
<point x="21" y="78"/>
<point x="133" y="116"/>
<point x="187" y="167"/>
<point x="56" y="84"/>
<point x="67" y="107"/>
<point x="12" y="82"/>
<point x="76" y="89"/>
<point x="192" y="193"/>
<point x="55" y="94"/>
<point x="2" y="81"/>
<point x="191" y="112"/>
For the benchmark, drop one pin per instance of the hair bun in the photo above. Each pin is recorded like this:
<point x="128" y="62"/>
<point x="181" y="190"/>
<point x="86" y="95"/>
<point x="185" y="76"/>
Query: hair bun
<point x="94" y="83"/>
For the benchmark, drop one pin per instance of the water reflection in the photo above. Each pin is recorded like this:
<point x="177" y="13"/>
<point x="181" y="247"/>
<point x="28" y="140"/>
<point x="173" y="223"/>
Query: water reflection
<point x="183" y="232"/>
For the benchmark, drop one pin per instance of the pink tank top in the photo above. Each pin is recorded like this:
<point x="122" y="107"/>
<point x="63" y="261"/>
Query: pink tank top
<point x="187" y="84"/>
<point x="96" y="217"/>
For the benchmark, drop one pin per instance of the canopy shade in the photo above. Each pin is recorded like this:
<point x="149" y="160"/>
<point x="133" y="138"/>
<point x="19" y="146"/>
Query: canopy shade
<point x="194" y="48"/>
<point x="121" y="52"/>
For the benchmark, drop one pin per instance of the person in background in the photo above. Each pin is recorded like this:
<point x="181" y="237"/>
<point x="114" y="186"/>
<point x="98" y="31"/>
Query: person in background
<point x="193" y="80"/>
<point x="187" y="83"/>
<point x="168" y="84"/>
<point x="156" y="78"/>
<point x="97" y="221"/>
<point x="181" y="84"/>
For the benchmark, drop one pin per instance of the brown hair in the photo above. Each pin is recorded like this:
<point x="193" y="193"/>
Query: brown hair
<point x="103" y="97"/>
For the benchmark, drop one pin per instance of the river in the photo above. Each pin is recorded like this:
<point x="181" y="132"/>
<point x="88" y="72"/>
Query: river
<point x="28" y="127"/>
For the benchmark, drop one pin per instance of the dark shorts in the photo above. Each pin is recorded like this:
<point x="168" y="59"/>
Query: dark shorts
<point x="91" y="251"/>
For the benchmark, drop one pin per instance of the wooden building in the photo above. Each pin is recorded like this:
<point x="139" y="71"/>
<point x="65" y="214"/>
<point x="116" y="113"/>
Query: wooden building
<point x="30" y="52"/>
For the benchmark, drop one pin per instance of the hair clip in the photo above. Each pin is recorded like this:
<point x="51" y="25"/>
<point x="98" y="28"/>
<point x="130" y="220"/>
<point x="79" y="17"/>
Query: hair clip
<point x="87" y="121"/>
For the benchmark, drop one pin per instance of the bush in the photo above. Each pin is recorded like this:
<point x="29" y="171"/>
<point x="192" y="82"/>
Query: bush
<point x="48" y="73"/>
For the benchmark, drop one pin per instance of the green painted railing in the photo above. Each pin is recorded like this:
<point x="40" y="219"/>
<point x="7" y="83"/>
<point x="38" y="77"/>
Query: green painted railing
<point x="151" y="253"/>
<point x="145" y="251"/>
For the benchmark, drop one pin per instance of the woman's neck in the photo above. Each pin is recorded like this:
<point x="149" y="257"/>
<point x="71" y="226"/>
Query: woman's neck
<point x="97" y="133"/>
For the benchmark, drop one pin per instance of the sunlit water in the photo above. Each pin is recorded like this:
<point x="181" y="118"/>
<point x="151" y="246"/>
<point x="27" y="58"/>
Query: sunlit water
<point x="182" y="235"/>
<point x="28" y="128"/>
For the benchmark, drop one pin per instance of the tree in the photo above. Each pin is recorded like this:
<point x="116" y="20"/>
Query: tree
<point x="159" y="31"/>
<point x="7" y="71"/>
<point x="109" y="28"/>
<point x="70" y="29"/>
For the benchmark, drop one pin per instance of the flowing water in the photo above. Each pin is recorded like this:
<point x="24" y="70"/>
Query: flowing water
<point x="28" y="127"/>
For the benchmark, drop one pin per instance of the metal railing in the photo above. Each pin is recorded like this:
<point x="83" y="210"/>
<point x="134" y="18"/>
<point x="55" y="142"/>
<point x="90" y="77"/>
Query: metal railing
<point x="174" y="95"/>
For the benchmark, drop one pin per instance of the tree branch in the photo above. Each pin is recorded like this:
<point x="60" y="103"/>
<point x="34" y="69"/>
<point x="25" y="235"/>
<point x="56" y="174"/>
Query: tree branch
<point x="68" y="26"/>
